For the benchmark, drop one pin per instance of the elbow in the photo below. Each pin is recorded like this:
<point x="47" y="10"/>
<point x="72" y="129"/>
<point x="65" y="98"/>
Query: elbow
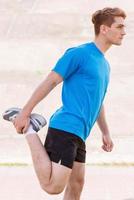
<point x="54" y="79"/>
<point x="54" y="84"/>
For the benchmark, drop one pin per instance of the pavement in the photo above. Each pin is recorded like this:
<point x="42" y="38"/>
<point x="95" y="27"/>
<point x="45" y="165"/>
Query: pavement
<point x="109" y="176"/>
<point x="14" y="149"/>
<point x="102" y="183"/>
<point x="33" y="35"/>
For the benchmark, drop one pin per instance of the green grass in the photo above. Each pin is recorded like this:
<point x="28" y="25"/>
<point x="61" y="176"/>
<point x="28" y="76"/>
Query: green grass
<point x="8" y="164"/>
<point x="113" y="164"/>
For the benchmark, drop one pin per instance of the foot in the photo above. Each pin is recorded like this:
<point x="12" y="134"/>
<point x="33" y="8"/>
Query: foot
<point x="37" y="121"/>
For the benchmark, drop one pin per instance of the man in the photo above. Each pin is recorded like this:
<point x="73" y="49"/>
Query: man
<point x="84" y="71"/>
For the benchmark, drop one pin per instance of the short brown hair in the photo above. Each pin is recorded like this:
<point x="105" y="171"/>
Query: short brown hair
<point x="106" y="17"/>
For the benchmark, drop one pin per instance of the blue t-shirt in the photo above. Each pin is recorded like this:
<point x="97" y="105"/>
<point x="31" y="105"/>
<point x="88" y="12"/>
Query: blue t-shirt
<point x="85" y="73"/>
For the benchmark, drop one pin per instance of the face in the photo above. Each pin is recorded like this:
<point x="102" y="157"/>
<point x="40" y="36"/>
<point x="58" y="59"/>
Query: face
<point x="116" y="32"/>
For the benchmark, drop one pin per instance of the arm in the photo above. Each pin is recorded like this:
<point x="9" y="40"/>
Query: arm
<point x="102" y="122"/>
<point x="52" y="80"/>
<point x="107" y="142"/>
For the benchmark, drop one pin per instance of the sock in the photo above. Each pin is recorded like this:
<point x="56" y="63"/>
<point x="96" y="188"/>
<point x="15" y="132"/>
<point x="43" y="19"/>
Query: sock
<point x="30" y="131"/>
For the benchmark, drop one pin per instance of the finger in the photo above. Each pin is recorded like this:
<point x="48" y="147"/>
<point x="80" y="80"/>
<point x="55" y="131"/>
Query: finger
<point x="25" y="128"/>
<point x="110" y="147"/>
<point x="104" y="147"/>
<point x="109" y="150"/>
<point x="19" y="130"/>
<point x="14" y="122"/>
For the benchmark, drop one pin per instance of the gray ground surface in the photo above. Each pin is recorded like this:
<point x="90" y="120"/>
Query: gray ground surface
<point x="16" y="87"/>
<point x="101" y="184"/>
<point x="33" y="34"/>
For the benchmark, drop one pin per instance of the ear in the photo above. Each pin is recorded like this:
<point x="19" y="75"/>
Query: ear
<point x="104" y="29"/>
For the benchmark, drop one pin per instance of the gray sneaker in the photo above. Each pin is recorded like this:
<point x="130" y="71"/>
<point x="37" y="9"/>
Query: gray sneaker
<point x="37" y="121"/>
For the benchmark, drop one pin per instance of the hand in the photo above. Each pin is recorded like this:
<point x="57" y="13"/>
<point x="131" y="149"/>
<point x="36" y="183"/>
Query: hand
<point x="107" y="143"/>
<point x="21" y="123"/>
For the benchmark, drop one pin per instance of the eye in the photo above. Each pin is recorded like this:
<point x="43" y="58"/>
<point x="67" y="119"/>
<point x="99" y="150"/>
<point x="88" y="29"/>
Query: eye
<point x="120" y="27"/>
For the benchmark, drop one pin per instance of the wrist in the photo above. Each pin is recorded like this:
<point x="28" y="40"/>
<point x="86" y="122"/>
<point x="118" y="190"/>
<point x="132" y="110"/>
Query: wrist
<point x="106" y="133"/>
<point x="25" y="112"/>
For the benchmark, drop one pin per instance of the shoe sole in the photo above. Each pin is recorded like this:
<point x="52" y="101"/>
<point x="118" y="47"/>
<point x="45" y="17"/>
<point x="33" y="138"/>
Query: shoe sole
<point x="37" y="121"/>
<point x="11" y="113"/>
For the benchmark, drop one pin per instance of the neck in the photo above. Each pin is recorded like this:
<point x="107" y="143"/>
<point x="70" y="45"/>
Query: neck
<point x="102" y="44"/>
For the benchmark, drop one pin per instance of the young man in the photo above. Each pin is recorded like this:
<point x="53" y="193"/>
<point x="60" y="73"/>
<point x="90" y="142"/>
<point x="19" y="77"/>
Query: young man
<point x="84" y="71"/>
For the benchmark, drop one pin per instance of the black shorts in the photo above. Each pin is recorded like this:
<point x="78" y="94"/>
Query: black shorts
<point x="64" y="148"/>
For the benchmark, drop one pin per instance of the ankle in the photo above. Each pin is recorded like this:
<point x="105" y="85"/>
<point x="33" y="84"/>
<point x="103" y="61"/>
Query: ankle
<point x="30" y="131"/>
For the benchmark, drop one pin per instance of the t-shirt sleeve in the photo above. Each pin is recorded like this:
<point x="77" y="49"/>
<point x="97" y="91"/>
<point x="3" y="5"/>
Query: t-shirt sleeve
<point x="68" y="63"/>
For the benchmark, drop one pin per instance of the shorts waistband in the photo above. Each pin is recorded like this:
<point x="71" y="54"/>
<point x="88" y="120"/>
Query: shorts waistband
<point x="66" y="132"/>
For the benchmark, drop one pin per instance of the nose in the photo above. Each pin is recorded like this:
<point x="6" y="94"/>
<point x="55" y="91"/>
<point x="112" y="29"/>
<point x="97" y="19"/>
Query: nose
<point x="123" y="32"/>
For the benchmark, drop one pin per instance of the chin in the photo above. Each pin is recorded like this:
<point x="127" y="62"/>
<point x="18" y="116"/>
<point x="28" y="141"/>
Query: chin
<point x="117" y="43"/>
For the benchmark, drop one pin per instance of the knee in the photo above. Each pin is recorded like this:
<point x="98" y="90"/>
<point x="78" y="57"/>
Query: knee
<point x="81" y="182"/>
<point x="53" y="189"/>
<point x="77" y="184"/>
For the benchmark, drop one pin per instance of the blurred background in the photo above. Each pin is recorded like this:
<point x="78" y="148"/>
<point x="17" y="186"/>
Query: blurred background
<point x="33" y="35"/>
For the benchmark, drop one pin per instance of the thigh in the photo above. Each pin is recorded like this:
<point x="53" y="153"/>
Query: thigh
<point x="60" y="176"/>
<point x="78" y="173"/>
<point x="61" y="147"/>
<point x="81" y="151"/>
<point x="58" y="179"/>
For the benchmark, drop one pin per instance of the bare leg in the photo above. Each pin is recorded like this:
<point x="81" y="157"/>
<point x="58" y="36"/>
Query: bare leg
<point x="52" y="176"/>
<point x="76" y="182"/>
